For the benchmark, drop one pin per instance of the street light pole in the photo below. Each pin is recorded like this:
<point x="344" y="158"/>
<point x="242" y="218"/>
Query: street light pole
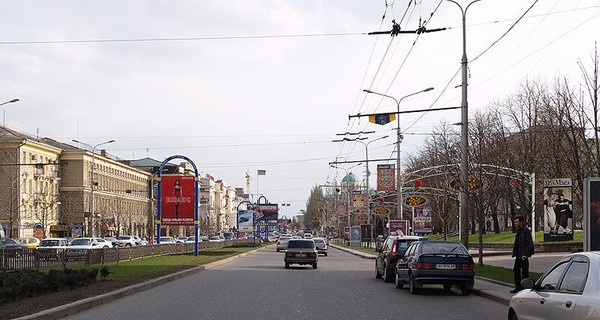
<point x="399" y="137"/>
<point x="463" y="216"/>
<point x="4" y="114"/>
<point x="92" y="232"/>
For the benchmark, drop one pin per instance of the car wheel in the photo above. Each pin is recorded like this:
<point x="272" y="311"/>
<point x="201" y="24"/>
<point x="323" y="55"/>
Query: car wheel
<point x="447" y="287"/>
<point x="413" y="286"/>
<point x="399" y="284"/>
<point x="465" y="290"/>
<point x="314" y="265"/>
<point x="514" y="317"/>
<point x="277" y="250"/>
<point x="387" y="276"/>
<point x="377" y="274"/>
<point x="128" y="245"/>
<point x="287" y="265"/>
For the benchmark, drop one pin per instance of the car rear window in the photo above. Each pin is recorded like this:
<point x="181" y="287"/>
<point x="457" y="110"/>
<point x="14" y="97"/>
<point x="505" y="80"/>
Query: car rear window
<point x="49" y="243"/>
<point x="443" y="247"/>
<point x="318" y="241"/>
<point x="301" y="244"/>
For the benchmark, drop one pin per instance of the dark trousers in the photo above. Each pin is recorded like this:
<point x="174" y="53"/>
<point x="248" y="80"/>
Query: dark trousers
<point x="520" y="270"/>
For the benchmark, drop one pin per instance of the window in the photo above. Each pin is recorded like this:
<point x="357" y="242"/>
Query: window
<point x="574" y="280"/>
<point x="550" y="281"/>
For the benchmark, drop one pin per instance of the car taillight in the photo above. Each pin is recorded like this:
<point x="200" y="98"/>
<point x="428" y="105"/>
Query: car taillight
<point x="393" y="252"/>
<point x="423" y="265"/>
<point x="466" y="266"/>
<point x="289" y="254"/>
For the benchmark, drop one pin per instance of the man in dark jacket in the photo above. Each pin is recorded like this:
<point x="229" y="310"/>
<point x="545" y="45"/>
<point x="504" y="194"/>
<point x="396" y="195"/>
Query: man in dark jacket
<point x="522" y="251"/>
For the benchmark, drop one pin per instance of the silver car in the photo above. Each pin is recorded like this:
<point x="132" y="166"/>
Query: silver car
<point x="282" y="242"/>
<point x="321" y="245"/>
<point x="570" y="289"/>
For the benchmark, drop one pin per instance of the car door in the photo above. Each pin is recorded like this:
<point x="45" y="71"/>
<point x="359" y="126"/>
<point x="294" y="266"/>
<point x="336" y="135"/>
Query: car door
<point x="545" y="301"/>
<point x="402" y="265"/>
<point x="385" y="250"/>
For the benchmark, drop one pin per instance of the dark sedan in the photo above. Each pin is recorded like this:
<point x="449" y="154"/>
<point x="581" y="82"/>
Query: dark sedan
<point x="388" y="254"/>
<point x="301" y="251"/>
<point x="13" y="248"/>
<point x="436" y="262"/>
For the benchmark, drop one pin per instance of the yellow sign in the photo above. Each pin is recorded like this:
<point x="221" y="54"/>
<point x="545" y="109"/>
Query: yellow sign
<point x="382" y="119"/>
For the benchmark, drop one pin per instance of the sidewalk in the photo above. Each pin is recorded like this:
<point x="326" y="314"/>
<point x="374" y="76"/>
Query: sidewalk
<point x="486" y="288"/>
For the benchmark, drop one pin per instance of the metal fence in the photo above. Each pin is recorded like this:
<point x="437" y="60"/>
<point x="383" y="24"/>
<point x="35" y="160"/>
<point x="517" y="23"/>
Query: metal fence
<point x="17" y="259"/>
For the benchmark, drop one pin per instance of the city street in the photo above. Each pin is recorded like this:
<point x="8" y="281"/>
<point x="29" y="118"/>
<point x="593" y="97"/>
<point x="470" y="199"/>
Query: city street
<point x="258" y="287"/>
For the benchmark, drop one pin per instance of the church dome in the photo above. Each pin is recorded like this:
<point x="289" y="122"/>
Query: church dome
<point x="350" y="178"/>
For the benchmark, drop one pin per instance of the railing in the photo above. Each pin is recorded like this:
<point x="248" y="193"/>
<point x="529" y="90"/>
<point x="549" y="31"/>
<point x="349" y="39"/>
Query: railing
<point x="18" y="259"/>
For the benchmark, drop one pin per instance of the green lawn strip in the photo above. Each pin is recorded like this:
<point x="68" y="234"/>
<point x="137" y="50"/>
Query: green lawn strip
<point x="364" y="249"/>
<point x="500" y="273"/>
<point x="502" y="237"/>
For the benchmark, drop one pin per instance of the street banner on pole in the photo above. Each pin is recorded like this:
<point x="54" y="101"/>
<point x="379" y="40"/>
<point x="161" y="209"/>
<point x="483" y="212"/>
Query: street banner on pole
<point x="398" y="227"/>
<point x="382" y="119"/>
<point x="177" y="200"/>
<point x="386" y="177"/>
<point x="422" y="220"/>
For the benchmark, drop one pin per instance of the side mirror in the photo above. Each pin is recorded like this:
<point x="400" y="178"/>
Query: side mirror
<point x="527" y="283"/>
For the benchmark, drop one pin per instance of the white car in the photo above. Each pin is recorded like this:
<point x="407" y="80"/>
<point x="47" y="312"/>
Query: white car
<point x="52" y="248"/>
<point x="167" y="240"/>
<point x="126" y="241"/>
<point x="215" y="239"/>
<point x="79" y="247"/>
<point x="570" y="289"/>
<point x="105" y="244"/>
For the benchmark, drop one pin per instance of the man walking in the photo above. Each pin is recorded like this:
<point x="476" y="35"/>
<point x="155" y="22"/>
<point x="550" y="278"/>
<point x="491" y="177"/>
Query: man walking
<point x="522" y="251"/>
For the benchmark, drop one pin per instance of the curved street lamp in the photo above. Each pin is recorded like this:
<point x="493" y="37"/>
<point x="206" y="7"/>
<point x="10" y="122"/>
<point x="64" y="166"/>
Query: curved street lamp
<point x="4" y="116"/>
<point x="93" y="183"/>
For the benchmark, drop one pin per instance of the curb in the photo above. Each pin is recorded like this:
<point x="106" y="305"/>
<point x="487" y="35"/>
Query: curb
<point x="87" y="303"/>
<point x="354" y="252"/>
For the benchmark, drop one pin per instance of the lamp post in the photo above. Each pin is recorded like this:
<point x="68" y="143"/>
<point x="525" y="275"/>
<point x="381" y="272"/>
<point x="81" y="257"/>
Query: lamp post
<point x="463" y="215"/>
<point x="399" y="137"/>
<point x="347" y="195"/>
<point x="92" y="232"/>
<point x="4" y="115"/>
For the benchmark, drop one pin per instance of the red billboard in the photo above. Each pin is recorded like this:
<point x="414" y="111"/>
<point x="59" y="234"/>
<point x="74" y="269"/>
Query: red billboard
<point x="177" y="200"/>
<point x="386" y="177"/>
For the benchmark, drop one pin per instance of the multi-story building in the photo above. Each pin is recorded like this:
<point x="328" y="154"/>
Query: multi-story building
<point x="206" y="205"/>
<point x="29" y="184"/>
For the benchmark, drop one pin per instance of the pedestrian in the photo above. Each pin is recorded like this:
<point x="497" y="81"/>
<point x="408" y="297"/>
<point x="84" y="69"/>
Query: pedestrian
<point x="522" y="251"/>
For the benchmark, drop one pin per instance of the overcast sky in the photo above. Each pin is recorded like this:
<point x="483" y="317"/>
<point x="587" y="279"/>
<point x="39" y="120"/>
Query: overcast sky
<point x="243" y="85"/>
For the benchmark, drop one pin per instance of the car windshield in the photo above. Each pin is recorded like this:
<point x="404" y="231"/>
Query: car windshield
<point x="81" y="242"/>
<point x="49" y="243"/>
<point x="443" y="248"/>
<point x="124" y="238"/>
<point x="301" y="244"/>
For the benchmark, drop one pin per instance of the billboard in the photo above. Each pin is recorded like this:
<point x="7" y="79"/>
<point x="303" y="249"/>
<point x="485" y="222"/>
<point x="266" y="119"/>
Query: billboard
<point x="398" y="227"/>
<point x="177" y="200"/>
<point x="245" y="220"/>
<point x="591" y="214"/>
<point x="386" y="177"/>
<point x="422" y="220"/>
<point x="558" y="209"/>
<point x="365" y="232"/>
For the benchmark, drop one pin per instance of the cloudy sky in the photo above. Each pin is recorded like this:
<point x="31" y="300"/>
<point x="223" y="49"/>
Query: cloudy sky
<point x="243" y="85"/>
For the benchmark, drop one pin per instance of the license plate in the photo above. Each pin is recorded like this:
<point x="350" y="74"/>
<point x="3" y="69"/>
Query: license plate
<point x="300" y="255"/>
<point x="445" y="266"/>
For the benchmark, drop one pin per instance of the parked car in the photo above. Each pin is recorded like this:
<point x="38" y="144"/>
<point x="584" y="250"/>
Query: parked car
<point x="167" y="240"/>
<point x="104" y="244"/>
<point x="113" y="240"/>
<point x="79" y="247"/>
<point x="215" y="239"/>
<point x="436" y="262"/>
<point x="388" y="254"/>
<point x="31" y="242"/>
<point x="52" y="248"/>
<point x="321" y="245"/>
<point x="181" y="239"/>
<point x="570" y="289"/>
<point x="126" y="241"/>
<point x="301" y="251"/>
<point x="13" y="248"/>
<point x="190" y="240"/>
<point x="282" y="242"/>
<point x="140" y="241"/>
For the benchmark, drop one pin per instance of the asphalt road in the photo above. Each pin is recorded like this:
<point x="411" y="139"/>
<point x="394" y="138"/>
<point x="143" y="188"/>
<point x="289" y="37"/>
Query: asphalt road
<point x="258" y="287"/>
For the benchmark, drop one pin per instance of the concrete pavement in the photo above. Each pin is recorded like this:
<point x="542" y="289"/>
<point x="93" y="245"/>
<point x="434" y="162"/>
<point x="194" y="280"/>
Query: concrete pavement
<point x="489" y="288"/>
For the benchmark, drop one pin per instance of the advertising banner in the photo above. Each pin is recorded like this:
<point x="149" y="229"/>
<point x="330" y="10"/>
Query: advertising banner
<point x="558" y="209"/>
<point x="365" y="232"/>
<point x="177" y="200"/>
<point x="422" y="220"/>
<point x="355" y="234"/>
<point x="591" y="214"/>
<point x="358" y="200"/>
<point x="245" y="220"/>
<point x="398" y="227"/>
<point x="386" y="177"/>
